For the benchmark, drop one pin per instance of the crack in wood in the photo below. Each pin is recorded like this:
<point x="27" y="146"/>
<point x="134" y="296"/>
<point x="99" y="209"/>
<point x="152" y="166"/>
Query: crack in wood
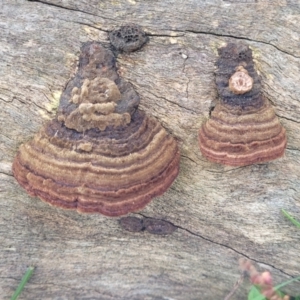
<point x="219" y="244"/>
<point x="7" y="174"/>
<point x="240" y="38"/>
<point x="63" y="7"/>
<point x="170" y="101"/>
<point x="164" y="35"/>
<point x="188" y="158"/>
<point x="293" y="149"/>
<point x="174" y="30"/>
<point x="188" y="79"/>
<point x="288" y="119"/>
<point x="89" y="25"/>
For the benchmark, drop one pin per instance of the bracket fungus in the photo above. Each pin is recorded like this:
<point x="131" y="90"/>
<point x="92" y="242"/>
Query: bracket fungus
<point x="243" y="128"/>
<point x="100" y="154"/>
<point x="128" y="38"/>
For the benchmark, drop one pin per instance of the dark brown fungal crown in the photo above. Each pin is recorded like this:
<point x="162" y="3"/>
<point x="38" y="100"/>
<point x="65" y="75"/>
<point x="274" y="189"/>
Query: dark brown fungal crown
<point x="100" y="154"/>
<point x="243" y="128"/>
<point x="97" y="97"/>
<point x="128" y="38"/>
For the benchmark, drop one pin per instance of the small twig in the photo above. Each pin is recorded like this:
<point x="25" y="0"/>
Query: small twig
<point x="21" y="285"/>
<point x="236" y="286"/>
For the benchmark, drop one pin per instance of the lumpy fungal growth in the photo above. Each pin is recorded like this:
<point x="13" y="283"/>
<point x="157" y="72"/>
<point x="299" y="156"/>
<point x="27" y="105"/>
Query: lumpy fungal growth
<point x="243" y="128"/>
<point x="100" y="154"/>
<point x="128" y="38"/>
<point x="97" y="101"/>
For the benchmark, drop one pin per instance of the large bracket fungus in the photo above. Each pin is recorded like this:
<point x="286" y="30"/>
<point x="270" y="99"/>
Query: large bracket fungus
<point x="100" y="154"/>
<point x="243" y="128"/>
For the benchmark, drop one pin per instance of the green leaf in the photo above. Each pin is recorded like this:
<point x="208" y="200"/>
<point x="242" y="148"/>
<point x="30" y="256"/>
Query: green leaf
<point x="21" y="285"/>
<point x="291" y="218"/>
<point x="279" y="286"/>
<point x="255" y="294"/>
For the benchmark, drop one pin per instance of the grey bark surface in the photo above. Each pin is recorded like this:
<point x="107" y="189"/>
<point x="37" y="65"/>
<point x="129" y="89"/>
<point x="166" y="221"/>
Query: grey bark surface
<point x="222" y="213"/>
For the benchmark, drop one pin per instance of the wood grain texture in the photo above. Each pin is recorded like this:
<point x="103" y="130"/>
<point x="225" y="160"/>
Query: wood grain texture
<point x="222" y="213"/>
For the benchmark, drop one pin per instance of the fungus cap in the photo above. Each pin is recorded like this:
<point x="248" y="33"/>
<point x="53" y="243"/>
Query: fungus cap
<point x="243" y="128"/>
<point x="100" y="154"/>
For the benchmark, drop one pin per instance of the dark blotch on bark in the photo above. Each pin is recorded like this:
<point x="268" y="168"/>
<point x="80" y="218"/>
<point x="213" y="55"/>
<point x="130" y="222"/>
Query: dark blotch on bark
<point x="132" y="224"/>
<point x="161" y="227"/>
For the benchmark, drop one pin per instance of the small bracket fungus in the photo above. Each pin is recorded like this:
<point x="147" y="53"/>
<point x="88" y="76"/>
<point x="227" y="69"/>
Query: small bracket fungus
<point x="240" y="82"/>
<point x="128" y="38"/>
<point x="100" y="154"/>
<point x="243" y="128"/>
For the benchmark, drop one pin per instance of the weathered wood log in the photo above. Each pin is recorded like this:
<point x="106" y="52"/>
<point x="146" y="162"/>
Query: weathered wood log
<point x="221" y="213"/>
